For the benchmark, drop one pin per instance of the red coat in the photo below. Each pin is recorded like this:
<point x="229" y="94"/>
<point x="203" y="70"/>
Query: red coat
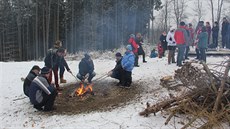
<point x="160" y="49"/>
<point x="134" y="44"/>
<point x="179" y="35"/>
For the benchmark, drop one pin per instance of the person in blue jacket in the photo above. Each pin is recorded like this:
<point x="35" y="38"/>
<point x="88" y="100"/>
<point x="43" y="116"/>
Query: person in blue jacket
<point x="127" y="64"/>
<point x="42" y="94"/>
<point x="86" y="68"/>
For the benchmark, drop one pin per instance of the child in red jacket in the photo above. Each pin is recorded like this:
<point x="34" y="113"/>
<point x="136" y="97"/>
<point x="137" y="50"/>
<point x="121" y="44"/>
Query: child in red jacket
<point x="160" y="50"/>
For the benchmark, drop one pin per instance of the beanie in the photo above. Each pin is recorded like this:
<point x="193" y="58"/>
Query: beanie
<point x="45" y="70"/>
<point x="132" y="36"/>
<point x="129" y="47"/>
<point x="118" y="54"/>
<point x="87" y="56"/>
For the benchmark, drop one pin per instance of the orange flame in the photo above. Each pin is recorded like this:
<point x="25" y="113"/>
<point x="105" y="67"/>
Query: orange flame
<point x="82" y="90"/>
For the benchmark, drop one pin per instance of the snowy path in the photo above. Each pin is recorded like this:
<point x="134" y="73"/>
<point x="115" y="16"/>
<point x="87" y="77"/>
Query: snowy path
<point x="20" y="114"/>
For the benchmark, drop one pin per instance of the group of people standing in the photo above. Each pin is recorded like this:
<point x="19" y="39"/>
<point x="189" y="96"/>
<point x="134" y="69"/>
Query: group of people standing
<point x="185" y="36"/>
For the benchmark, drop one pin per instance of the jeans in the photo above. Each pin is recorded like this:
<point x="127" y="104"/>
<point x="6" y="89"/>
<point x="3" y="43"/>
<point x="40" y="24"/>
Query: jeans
<point x="62" y="70"/>
<point x="186" y="52"/>
<point x="202" y="54"/>
<point x="215" y="40"/>
<point x="180" y="55"/>
<point x="91" y="75"/>
<point x="197" y="54"/>
<point x="224" y="40"/>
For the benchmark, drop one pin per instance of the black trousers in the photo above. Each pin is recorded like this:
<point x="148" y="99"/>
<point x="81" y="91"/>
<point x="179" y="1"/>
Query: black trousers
<point x="126" y="78"/>
<point x="197" y="53"/>
<point x="136" y="59"/>
<point x="48" y="101"/>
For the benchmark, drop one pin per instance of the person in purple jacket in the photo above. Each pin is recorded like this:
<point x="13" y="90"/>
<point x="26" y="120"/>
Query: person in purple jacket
<point x="209" y="30"/>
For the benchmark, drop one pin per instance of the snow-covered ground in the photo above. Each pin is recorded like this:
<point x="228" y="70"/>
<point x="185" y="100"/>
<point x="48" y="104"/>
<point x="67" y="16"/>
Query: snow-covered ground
<point x="17" y="112"/>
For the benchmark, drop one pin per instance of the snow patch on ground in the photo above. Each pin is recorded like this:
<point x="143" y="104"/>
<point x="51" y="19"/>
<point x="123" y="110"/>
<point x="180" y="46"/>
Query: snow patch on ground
<point x="17" y="112"/>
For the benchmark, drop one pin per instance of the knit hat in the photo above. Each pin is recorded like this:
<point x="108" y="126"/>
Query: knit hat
<point x="129" y="47"/>
<point x="132" y="35"/>
<point x="35" y="67"/>
<point x="87" y="56"/>
<point x="58" y="44"/>
<point x="118" y="54"/>
<point x="45" y="70"/>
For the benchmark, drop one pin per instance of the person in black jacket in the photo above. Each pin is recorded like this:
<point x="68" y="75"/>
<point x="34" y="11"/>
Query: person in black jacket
<point x="163" y="42"/>
<point x="215" y="31"/>
<point x="86" y="69"/>
<point x="42" y="93"/>
<point x="139" y="41"/>
<point x="118" y="70"/>
<point x="224" y="32"/>
<point x="53" y="60"/>
<point x="29" y="78"/>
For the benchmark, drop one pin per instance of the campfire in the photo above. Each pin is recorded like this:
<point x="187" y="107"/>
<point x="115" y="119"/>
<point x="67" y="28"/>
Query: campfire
<point x="84" y="89"/>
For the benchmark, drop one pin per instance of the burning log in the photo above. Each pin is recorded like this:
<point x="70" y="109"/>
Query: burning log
<point x="207" y="95"/>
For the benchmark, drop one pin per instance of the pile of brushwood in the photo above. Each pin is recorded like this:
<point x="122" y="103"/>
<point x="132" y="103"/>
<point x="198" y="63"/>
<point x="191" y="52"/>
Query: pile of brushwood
<point x="205" y="97"/>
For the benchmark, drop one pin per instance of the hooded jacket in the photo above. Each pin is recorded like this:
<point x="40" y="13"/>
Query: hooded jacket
<point x="127" y="61"/>
<point x="181" y="36"/>
<point x="86" y="66"/>
<point x="170" y="38"/>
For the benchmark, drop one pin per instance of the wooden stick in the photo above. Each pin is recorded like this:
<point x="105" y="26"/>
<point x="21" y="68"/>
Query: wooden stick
<point x="221" y="88"/>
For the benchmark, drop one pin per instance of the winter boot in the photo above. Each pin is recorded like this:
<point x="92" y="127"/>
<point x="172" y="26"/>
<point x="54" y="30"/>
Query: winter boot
<point x="62" y="80"/>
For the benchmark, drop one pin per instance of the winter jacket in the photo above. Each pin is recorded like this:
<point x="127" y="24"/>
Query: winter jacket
<point x="86" y="66"/>
<point x="26" y="86"/>
<point x="52" y="60"/>
<point x="209" y="30"/>
<point x="153" y="54"/>
<point x="118" y="66"/>
<point x="139" y="42"/>
<point x="215" y="31"/>
<point x="160" y="49"/>
<point x="170" y="39"/>
<point x="38" y="88"/>
<point x="163" y="42"/>
<point x="127" y="61"/>
<point x="181" y="36"/>
<point x="203" y="40"/>
<point x="64" y="63"/>
<point x="224" y="29"/>
<point x="134" y="44"/>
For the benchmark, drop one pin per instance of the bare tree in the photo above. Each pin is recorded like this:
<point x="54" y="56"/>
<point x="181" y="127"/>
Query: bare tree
<point x="219" y="9"/>
<point x="179" y="10"/>
<point x="199" y="11"/>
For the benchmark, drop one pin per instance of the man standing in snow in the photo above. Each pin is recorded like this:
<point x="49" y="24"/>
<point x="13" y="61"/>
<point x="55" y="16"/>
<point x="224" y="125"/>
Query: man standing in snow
<point x="163" y="42"/>
<point x="53" y="60"/>
<point x="224" y="32"/>
<point x="118" y="70"/>
<point x="171" y="45"/>
<point x="202" y="43"/>
<point x="29" y="78"/>
<point x="41" y="92"/>
<point x="86" y="67"/>
<point x="127" y="64"/>
<point x="139" y="41"/>
<point x="181" y="37"/>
